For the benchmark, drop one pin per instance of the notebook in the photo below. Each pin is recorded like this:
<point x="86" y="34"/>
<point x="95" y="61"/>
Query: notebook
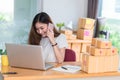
<point x="26" y="56"/>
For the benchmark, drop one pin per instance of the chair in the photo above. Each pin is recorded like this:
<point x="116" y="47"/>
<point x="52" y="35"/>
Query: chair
<point x="69" y="55"/>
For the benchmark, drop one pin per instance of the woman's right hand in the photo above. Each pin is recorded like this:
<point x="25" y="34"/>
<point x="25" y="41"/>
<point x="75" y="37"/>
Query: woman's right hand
<point x="50" y="33"/>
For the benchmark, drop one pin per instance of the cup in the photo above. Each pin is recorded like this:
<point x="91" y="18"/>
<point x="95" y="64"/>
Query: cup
<point x="4" y="60"/>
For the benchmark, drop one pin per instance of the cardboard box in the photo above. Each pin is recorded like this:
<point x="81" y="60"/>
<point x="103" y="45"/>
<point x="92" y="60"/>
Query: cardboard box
<point x="67" y="32"/>
<point x="88" y="48"/>
<point x="99" y="64"/>
<point x="81" y="55"/>
<point x="76" y="47"/>
<point x="84" y="34"/>
<point x="84" y="47"/>
<point x="86" y="23"/>
<point x="112" y="51"/>
<point x="73" y="37"/>
<point x="111" y="63"/>
<point x="68" y="36"/>
<point x="89" y="63"/>
<point x="94" y="41"/>
<point x="103" y="43"/>
<point x="98" y="51"/>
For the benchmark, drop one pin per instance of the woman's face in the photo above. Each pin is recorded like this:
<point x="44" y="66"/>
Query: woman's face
<point x="41" y="29"/>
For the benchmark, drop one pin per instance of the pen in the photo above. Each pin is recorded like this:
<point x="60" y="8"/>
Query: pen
<point x="10" y="73"/>
<point x="64" y="68"/>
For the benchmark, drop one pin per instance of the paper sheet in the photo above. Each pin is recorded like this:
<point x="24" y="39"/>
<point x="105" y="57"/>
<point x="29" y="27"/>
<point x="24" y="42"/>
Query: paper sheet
<point x="68" y="68"/>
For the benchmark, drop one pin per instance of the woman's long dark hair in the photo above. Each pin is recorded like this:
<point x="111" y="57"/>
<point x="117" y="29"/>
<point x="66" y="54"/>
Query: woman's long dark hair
<point x="34" y="37"/>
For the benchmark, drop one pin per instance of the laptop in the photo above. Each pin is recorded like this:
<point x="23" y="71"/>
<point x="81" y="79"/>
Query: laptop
<point x="26" y="56"/>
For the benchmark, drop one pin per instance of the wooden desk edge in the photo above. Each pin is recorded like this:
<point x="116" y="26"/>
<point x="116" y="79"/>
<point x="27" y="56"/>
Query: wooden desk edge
<point x="24" y="74"/>
<point x="65" y="76"/>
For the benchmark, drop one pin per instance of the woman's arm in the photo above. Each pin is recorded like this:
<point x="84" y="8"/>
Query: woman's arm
<point x="59" y="52"/>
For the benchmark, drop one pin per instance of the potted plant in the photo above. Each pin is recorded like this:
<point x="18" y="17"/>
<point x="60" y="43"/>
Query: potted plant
<point x="4" y="57"/>
<point x="1" y="51"/>
<point x="60" y="25"/>
<point x="0" y="55"/>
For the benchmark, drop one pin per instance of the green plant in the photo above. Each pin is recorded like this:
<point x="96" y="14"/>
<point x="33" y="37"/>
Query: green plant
<point x="60" y="25"/>
<point x="3" y="52"/>
<point x="2" y="17"/>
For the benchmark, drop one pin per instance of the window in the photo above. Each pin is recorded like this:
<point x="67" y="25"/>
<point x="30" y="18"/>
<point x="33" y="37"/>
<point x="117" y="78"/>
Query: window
<point x="117" y="6"/>
<point x="111" y="10"/>
<point x="15" y="20"/>
<point x="6" y="13"/>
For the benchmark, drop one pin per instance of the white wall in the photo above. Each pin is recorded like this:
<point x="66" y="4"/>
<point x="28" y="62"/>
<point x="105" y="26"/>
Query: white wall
<point x="65" y="10"/>
<point x="59" y="10"/>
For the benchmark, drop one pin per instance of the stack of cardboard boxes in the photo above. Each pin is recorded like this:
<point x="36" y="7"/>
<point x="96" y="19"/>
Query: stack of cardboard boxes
<point x="79" y="41"/>
<point x="85" y="32"/>
<point x="85" y="28"/>
<point x="100" y="57"/>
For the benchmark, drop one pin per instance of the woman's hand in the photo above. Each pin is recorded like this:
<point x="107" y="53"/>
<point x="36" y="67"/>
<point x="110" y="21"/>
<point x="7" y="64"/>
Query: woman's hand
<point x="50" y="33"/>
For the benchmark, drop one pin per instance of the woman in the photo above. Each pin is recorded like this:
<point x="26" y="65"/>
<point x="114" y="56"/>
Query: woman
<point x="44" y="33"/>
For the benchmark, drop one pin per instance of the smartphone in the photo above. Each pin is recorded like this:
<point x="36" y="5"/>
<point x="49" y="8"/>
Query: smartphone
<point x="50" y="27"/>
